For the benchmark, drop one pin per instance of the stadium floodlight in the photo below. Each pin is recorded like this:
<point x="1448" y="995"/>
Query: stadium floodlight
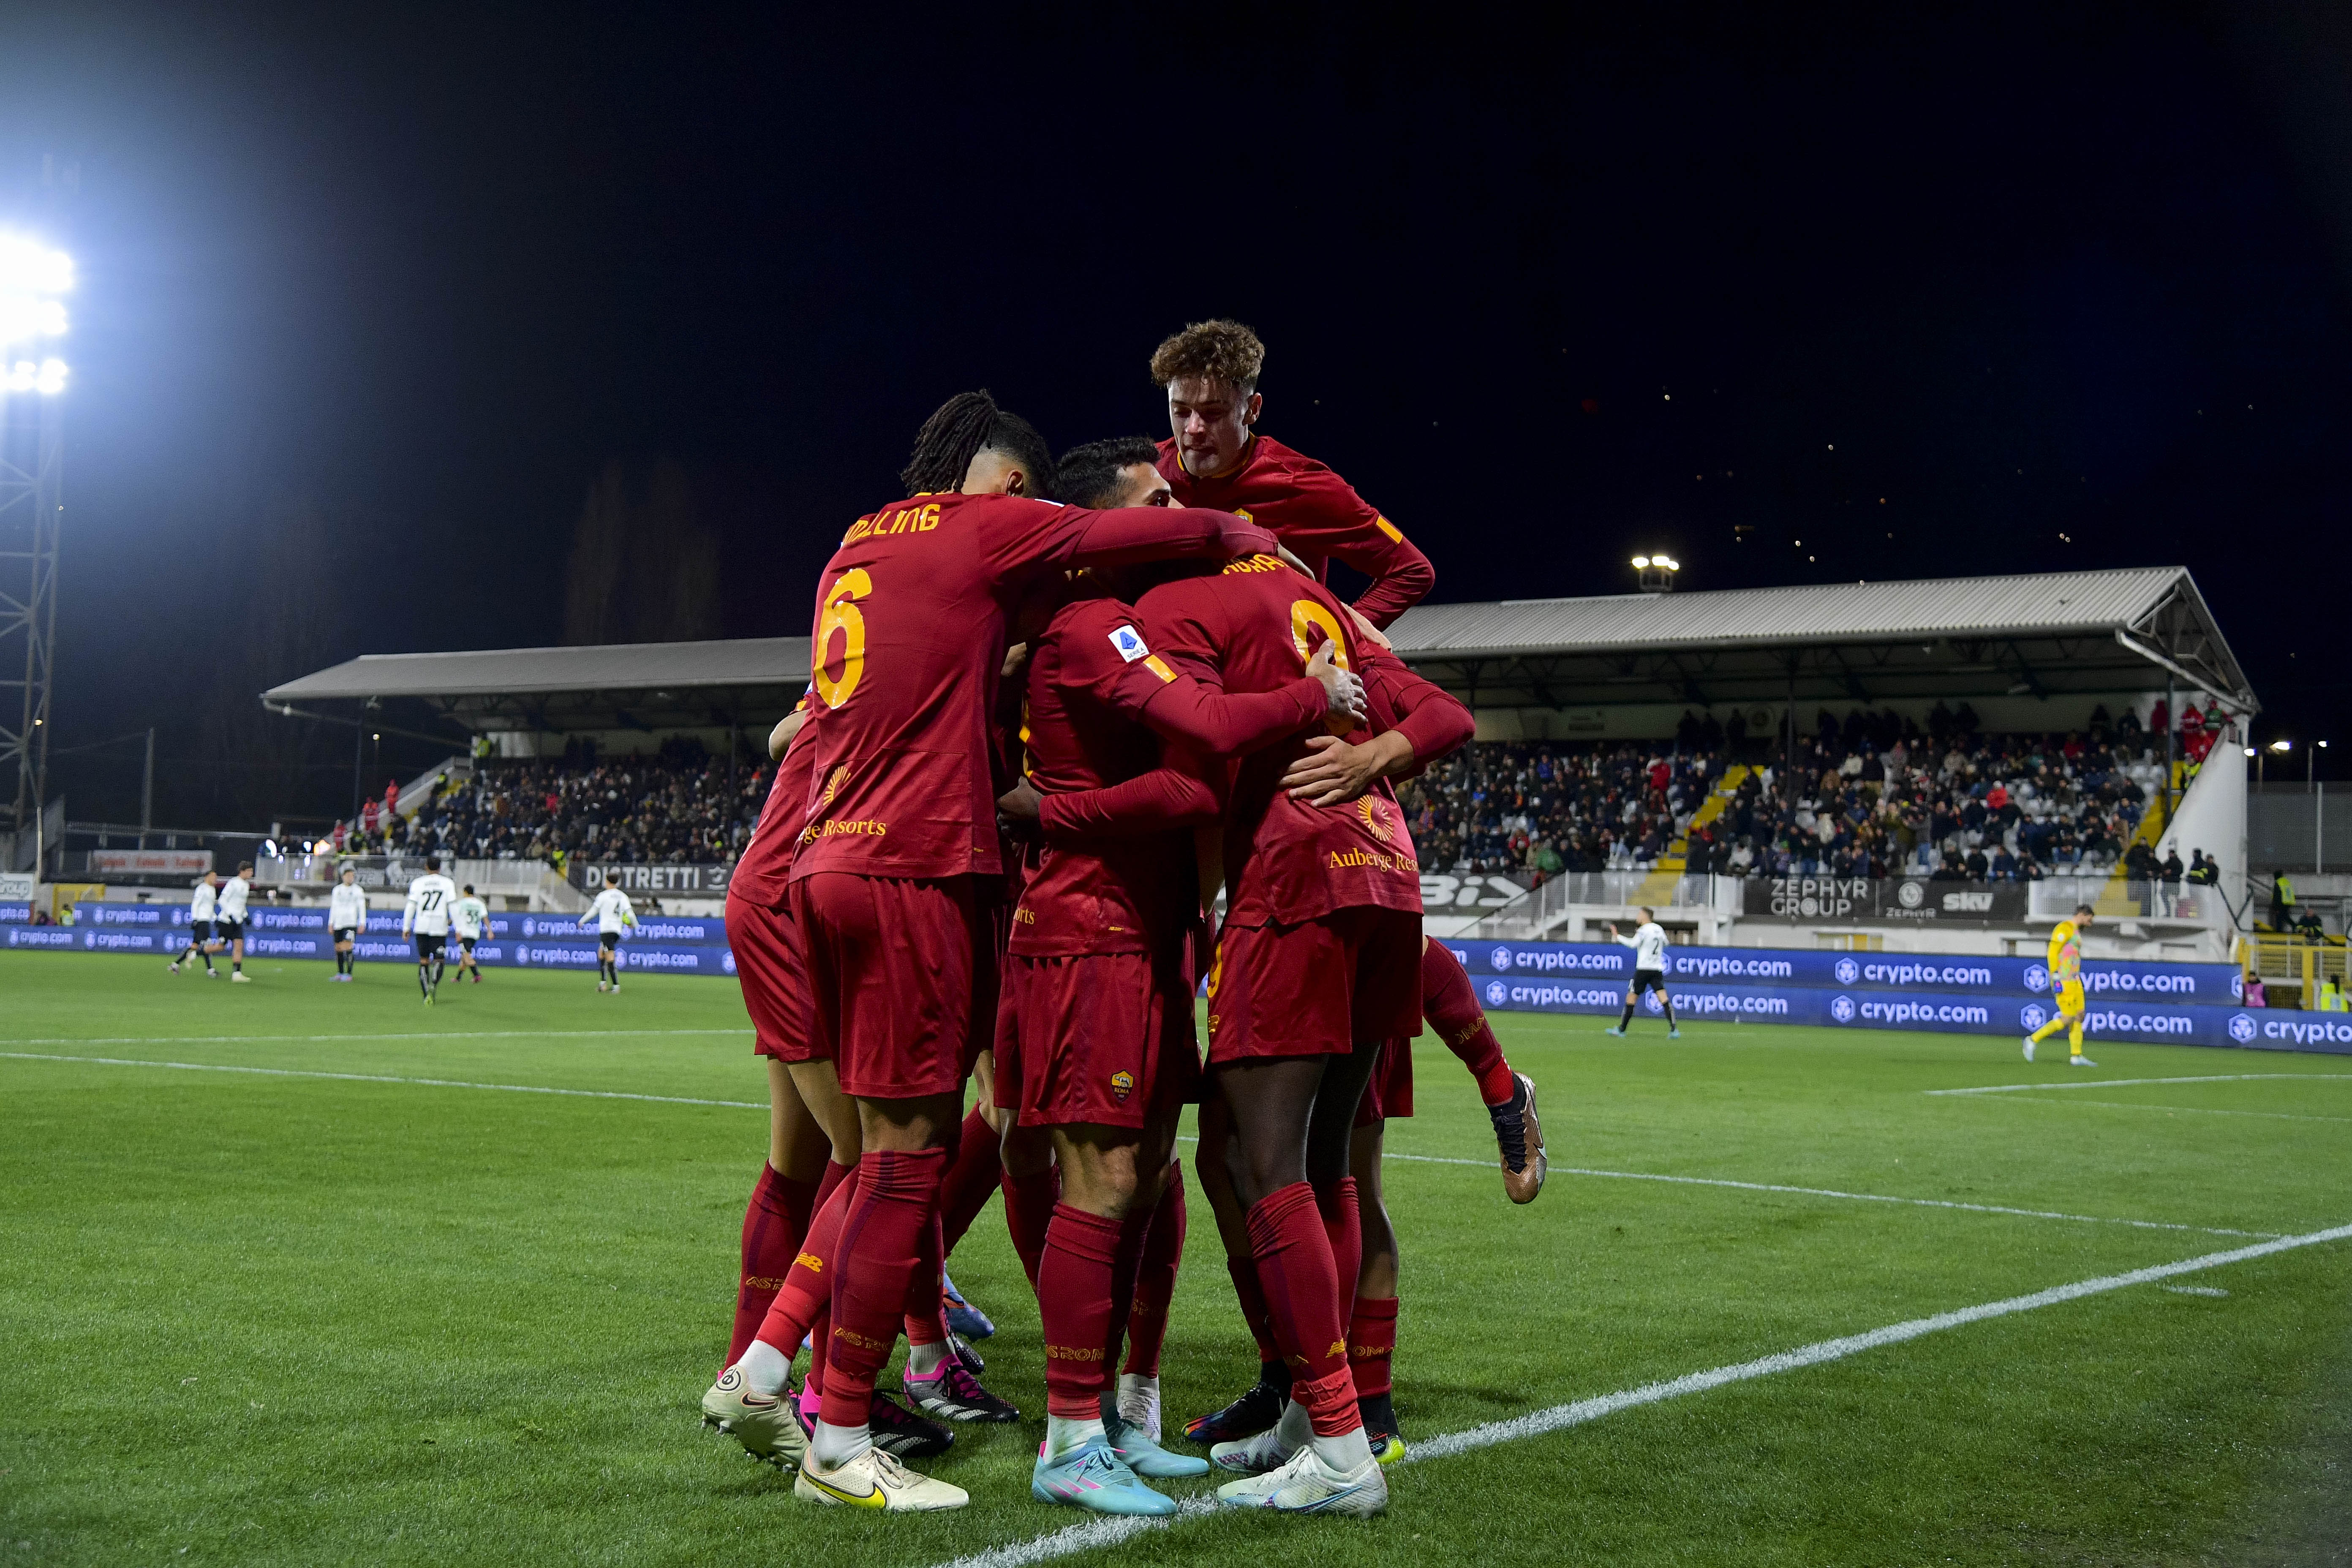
<point x="2282" y="745"/>
<point x="1657" y="572"/>
<point x="1641" y="563"/>
<point x="29" y="267"/>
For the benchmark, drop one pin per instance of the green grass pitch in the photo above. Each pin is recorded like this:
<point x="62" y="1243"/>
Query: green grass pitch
<point x="266" y="1317"/>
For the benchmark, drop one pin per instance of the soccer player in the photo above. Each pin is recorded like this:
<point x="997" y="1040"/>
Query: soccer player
<point x="1214" y="457"/>
<point x="812" y="1140"/>
<point x="2066" y="964"/>
<point x="1095" y="1056"/>
<point x="1649" y="944"/>
<point x="468" y="914"/>
<point x="908" y="643"/>
<point x="203" y="903"/>
<point x="228" y="922"/>
<point x="426" y="917"/>
<point x="612" y="914"/>
<point x="347" y="909"/>
<point x="1316" y="965"/>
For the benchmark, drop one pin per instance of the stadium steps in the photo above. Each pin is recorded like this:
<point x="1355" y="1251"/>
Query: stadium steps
<point x="2114" y="898"/>
<point x="1658" y="887"/>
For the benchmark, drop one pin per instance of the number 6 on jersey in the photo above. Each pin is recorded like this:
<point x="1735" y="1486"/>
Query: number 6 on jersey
<point x="841" y="614"/>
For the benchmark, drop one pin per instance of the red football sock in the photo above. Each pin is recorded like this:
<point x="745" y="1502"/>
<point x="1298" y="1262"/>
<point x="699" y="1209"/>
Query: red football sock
<point x="1074" y="1298"/>
<point x="1155" y="1278"/>
<point x="807" y="1291"/>
<point x="1302" y="1292"/>
<point x="1134" y="1235"/>
<point x="1343" y="1227"/>
<point x="883" y="1241"/>
<point x="927" y="1303"/>
<point x="774" y="1225"/>
<point x="1372" y="1344"/>
<point x="1453" y="1010"/>
<point x="1028" y="1207"/>
<point x="1251" y="1297"/>
<point x="979" y="1166"/>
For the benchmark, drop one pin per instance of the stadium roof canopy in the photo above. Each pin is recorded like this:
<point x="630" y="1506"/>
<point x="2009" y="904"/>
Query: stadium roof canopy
<point x="2042" y="635"/>
<point x="619" y="686"/>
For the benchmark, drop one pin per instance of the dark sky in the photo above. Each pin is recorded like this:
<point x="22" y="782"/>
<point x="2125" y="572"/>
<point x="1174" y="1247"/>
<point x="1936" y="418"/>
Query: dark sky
<point x="367" y="300"/>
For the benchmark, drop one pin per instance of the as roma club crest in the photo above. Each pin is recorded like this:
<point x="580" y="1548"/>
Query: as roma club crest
<point x="1122" y="1084"/>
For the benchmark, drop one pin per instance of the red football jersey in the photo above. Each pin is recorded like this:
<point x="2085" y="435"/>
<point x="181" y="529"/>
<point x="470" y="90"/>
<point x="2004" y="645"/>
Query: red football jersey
<point x="1252" y="628"/>
<point x="1318" y="515"/>
<point x="906" y="649"/>
<point x="1132" y="893"/>
<point x="762" y="871"/>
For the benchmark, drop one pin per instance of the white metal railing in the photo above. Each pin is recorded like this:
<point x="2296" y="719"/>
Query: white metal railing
<point x="1555" y="900"/>
<point x="534" y="879"/>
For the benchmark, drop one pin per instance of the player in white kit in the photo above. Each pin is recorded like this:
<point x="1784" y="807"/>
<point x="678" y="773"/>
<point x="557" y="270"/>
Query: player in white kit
<point x="228" y="920"/>
<point x="203" y="905"/>
<point x="469" y="914"/>
<point x="346" y="918"/>
<point x="1649" y="944"/>
<point x="612" y="914"/>
<point x="428" y="919"/>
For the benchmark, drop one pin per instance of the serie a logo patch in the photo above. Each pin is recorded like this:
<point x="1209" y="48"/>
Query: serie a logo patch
<point x="1128" y="643"/>
<point x="1122" y="1084"/>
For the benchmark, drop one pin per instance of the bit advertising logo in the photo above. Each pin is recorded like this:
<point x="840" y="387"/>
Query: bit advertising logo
<point x="1847" y="971"/>
<point x="1841" y="1009"/>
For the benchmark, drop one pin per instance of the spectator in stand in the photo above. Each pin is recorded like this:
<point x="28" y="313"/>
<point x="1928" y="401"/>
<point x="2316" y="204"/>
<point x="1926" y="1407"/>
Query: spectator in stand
<point x="2169" y="879"/>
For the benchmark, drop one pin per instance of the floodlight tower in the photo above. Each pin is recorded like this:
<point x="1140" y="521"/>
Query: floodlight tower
<point x="33" y="280"/>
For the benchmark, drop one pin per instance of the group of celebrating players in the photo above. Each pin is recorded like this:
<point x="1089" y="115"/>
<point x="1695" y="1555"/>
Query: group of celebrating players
<point x="1055" y="707"/>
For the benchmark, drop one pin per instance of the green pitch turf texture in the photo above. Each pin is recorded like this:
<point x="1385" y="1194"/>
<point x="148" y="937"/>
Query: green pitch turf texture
<point x="261" y="1316"/>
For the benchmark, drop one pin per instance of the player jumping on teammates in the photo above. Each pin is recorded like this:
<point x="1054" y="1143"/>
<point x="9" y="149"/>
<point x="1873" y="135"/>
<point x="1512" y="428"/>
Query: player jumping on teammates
<point x="228" y="923"/>
<point x="1215" y="457"/>
<point x="468" y="914"/>
<point x="427" y="918"/>
<point x="1649" y="944"/>
<point x="203" y="903"/>
<point x="2066" y="986"/>
<point x="612" y="914"/>
<point x="346" y="918"/>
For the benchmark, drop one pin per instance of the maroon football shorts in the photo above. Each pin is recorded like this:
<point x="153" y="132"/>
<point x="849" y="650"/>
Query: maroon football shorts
<point x="774" y="976"/>
<point x="1104" y="1038"/>
<point x="902" y="981"/>
<point x="1316" y="988"/>
<point x="1389" y="1092"/>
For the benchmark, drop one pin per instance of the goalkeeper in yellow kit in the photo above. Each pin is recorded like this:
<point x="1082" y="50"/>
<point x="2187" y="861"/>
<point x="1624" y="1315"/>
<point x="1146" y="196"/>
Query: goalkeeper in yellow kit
<point x="2066" y="985"/>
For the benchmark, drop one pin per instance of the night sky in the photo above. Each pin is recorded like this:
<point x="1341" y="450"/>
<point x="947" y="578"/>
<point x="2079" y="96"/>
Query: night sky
<point x="367" y="303"/>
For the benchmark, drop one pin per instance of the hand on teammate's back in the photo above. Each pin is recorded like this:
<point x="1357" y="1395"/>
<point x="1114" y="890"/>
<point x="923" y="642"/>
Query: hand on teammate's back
<point x="1340" y="685"/>
<point x="1021" y="803"/>
<point x="1333" y="773"/>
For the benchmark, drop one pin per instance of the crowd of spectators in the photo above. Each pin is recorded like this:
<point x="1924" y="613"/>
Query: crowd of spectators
<point x="1874" y="794"/>
<point x="677" y="806"/>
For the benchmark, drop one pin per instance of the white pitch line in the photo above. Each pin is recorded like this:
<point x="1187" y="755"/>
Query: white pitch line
<point x="1103" y="1532"/>
<point x="2189" y="1109"/>
<point x="2122" y="1082"/>
<point x="379" y="1077"/>
<point x="1836" y="1193"/>
<point x="363" y="1039"/>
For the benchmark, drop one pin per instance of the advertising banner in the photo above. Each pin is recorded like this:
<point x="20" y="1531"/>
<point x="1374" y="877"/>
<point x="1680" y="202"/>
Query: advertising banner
<point x="675" y="881"/>
<point x="2148" y="1023"/>
<point x="1906" y="901"/>
<point x="2214" y="985"/>
<point x="188" y="863"/>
